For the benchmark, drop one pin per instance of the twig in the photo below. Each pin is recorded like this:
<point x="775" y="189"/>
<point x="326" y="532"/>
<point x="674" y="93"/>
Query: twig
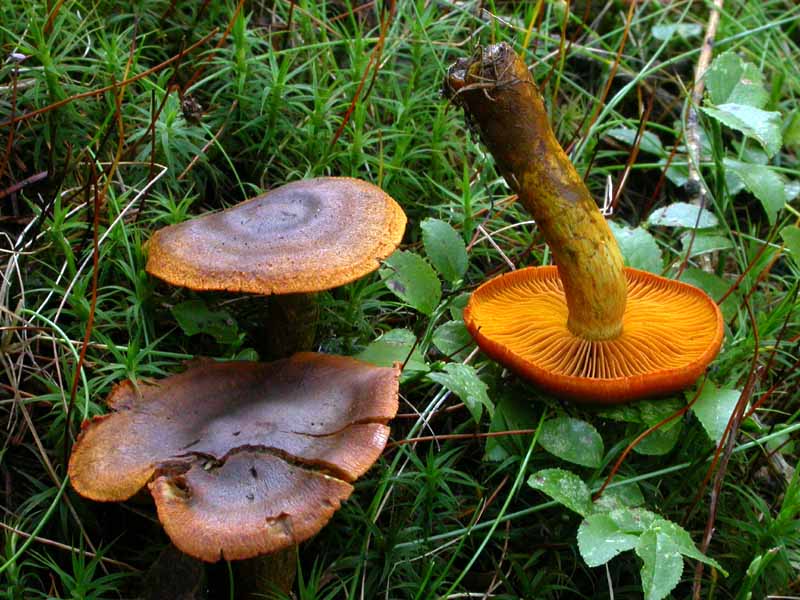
<point x="692" y="129"/>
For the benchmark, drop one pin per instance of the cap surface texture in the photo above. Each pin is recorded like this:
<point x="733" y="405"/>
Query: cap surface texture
<point x="313" y="421"/>
<point x="305" y="236"/>
<point x="671" y="331"/>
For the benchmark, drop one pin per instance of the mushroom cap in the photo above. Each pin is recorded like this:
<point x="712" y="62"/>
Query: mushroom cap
<point x="305" y="236"/>
<point x="671" y="331"/>
<point x="312" y="423"/>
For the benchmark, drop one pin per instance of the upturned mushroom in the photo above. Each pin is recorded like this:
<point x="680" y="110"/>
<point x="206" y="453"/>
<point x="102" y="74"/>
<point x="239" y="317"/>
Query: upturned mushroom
<point x="241" y="458"/>
<point x="588" y="329"/>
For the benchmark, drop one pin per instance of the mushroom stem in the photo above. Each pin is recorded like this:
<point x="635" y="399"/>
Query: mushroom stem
<point x="499" y="97"/>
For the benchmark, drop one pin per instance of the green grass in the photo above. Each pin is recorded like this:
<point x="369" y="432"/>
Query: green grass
<point x="432" y="519"/>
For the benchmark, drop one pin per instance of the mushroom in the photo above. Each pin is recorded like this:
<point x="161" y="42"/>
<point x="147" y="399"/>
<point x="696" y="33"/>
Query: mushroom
<point x="589" y="329"/>
<point x="241" y="458"/>
<point x="303" y="237"/>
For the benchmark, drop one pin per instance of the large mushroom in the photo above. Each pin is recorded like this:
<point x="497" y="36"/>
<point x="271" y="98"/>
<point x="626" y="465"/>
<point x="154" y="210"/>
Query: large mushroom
<point x="588" y="329"/>
<point x="297" y="239"/>
<point x="241" y="458"/>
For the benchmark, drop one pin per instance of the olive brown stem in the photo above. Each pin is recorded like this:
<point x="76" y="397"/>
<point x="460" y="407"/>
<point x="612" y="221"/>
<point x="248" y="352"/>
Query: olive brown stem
<point x="499" y="97"/>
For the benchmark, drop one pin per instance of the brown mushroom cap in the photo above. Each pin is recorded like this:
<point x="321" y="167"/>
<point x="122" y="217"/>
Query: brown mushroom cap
<point x="316" y="420"/>
<point x="306" y="236"/>
<point x="671" y="331"/>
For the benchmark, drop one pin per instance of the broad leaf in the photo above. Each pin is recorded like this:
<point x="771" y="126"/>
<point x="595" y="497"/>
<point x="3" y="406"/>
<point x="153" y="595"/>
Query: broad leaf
<point x="628" y="495"/>
<point x="764" y="183"/>
<point x="702" y="242"/>
<point x="565" y="488"/>
<point x="572" y="440"/>
<point x="714" y="408"/>
<point x="396" y="346"/>
<point x="791" y="237"/>
<point x="683" y="214"/>
<point x="445" y="249"/>
<point x="464" y="382"/>
<point x="663" y="564"/>
<point x="683" y="542"/>
<point x="683" y="30"/>
<point x="412" y="280"/>
<point x="193" y="317"/>
<point x="639" y="248"/>
<point x="659" y="441"/>
<point x="513" y="412"/>
<point x="453" y="340"/>
<point x="761" y="125"/>
<point x="730" y="79"/>
<point x="655" y="411"/>
<point x="649" y="141"/>
<point x="600" y="539"/>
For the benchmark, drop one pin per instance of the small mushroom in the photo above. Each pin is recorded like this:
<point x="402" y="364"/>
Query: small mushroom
<point x="588" y="329"/>
<point x="241" y="458"/>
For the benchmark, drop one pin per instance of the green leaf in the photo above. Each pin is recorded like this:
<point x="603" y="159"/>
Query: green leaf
<point x="684" y="30"/>
<point x="445" y="248"/>
<point x="513" y="412"/>
<point x="764" y="183"/>
<point x="663" y="564"/>
<point x="791" y="237"/>
<point x="649" y="143"/>
<point x="464" y="382"/>
<point x="639" y="248"/>
<point x="761" y="125"/>
<point x="572" y="440"/>
<point x="683" y="542"/>
<point x="412" y="280"/>
<point x="704" y="242"/>
<point x="659" y="441"/>
<point x="394" y="347"/>
<point x="633" y="520"/>
<point x="600" y="539"/>
<point x="193" y="317"/>
<point x="565" y="488"/>
<point x="621" y="496"/>
<point x="714" y="408"/>
<point x="453" y="340"/>
<point x="730" y="79"/>
<point x="655" y="411"/>
<point x="682" y="214"/>
<point x="457" y="306"/>
<point x="626" y="413"/>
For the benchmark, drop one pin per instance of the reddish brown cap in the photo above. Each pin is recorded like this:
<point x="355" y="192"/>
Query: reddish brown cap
<point x="318" y="420"/>
<point x="306" y="236"/>
<point x="671" y="331"/>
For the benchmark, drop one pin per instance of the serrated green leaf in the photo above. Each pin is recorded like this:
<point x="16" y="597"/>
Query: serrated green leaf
<point x="633" y="520"/>
<point x="649" y="142"/>
<point x="394" y="347"/>
<point x="791" y="237"/>
<point x="683" y="542"/>
<point x="683" y="214"/>
<point x="655" y="411"/>
<point x="659" y="441"/>
<point x="662" y="564"/>
<point x="193" y="317"/>
<point x="565" y="488"/>
<point x="600" y="540"/>
<point x="453" y="340"/>
<point x="628" y="495"/>
<point x="761" y="125"/>
<point x="730" y="79"/>
<point x="683" y="30"/>
<point x="572" y="440"/>
<point x="511" y="413"/>
<point x="764" y="183"/>
<point x="714" y="408"/>
<point x="464" y="382"/>
<point x="639" y="248"/>
<point x="445" y="249"/>
<point x="703" y="242"/>
<point x="412" y="280"/>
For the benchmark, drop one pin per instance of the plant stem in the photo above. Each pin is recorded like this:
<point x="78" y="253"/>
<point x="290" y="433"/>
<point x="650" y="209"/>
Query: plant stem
<point x="500" y="98"/>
